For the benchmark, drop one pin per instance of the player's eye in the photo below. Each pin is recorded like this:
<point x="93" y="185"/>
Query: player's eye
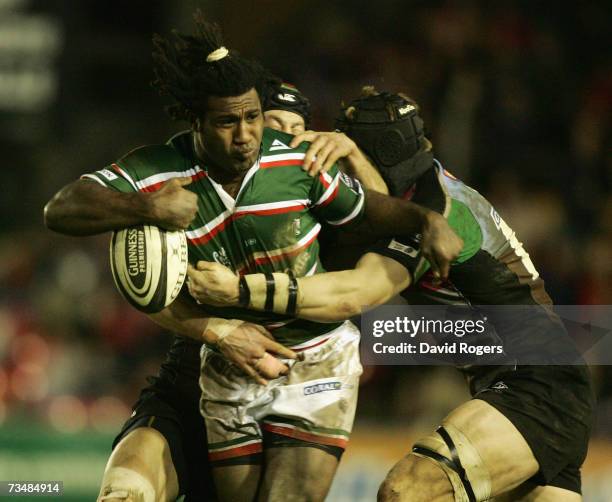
<point x="252" y="116"/>
<point x="226" y="121"/>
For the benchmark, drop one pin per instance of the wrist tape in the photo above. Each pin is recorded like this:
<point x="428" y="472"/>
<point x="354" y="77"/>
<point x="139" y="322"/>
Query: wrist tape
<point x="270" y="292"/>
<point x="222" y="328"/>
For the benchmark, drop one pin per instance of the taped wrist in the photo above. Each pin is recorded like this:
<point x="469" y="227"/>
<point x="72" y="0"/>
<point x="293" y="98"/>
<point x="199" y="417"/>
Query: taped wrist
<point x="219" y="329"/>
<point x="271" y="292"/>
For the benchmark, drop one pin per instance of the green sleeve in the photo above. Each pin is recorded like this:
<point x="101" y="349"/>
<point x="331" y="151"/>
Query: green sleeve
<point x="337" y="198"/>
<point x="465" y="225"/>
<point x="143" y="169"/>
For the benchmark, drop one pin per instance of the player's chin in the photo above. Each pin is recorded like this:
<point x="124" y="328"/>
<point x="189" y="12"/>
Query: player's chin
<point x="243" y="162"/>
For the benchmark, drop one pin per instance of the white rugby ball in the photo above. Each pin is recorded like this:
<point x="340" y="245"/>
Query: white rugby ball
<point x="149" y="265"/>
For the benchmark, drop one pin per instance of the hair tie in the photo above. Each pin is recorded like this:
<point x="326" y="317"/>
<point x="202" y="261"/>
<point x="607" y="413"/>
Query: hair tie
<point x="217" y="54"/>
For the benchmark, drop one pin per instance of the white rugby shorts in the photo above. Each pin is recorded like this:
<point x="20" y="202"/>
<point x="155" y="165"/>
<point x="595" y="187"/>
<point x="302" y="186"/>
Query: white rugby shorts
<point x="314" y="403"/>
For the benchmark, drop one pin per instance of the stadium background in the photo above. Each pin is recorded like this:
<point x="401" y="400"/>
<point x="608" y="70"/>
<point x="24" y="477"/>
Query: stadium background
<point x="518" y="97"/>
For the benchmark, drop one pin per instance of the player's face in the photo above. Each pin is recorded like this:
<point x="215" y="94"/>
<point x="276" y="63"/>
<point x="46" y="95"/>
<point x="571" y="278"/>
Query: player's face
<point x="284" y="121"/>
<point x="230" y="131"/>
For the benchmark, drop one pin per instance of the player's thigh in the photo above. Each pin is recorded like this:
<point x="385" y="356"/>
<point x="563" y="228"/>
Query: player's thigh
<point x="141" y="460"/>
<point x="504" y="452"/>
<point x="297" y="473"/>
<point x="236" y="483"/>
<point x="493" y="453"/>
<point x="529" y="492"/>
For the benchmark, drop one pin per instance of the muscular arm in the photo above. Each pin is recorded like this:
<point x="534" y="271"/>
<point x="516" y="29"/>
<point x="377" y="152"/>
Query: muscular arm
<point x="357" y="165"/>
<point x="328" y="297"/>
<point x="184" y="317"/>
<point x="388" y="216"/>
<point x="87" y="208"/>
<point x="384" y="216"/>
<point x="335" y="296"/>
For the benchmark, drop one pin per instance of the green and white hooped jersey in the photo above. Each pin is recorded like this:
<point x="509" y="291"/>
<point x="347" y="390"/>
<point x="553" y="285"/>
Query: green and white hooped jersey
<point x="271" y="226"/>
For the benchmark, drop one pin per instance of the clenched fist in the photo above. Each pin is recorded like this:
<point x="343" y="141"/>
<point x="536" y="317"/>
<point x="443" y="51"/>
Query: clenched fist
<point x="440" y="244"/>
<point x="173" y="207"/>
<point x="213" y="283"/>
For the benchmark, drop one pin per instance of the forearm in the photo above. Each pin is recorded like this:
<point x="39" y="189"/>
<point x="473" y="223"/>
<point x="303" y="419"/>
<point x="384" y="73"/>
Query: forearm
<point x="387" y="216"/>
<point x="184" y="317"/>
<point x="332" y="296"/>
<point x="335" y="296"/>
<point x="357" y="165"/>
<point x="87" y="208"/>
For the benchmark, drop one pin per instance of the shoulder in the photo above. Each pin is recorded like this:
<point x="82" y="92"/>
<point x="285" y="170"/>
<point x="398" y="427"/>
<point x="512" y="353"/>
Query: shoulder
<point x="456" y="189"/>
<point x="276" y="152"/>
<point x="171" y="156"/>
<point x="466" y="212"/>
<point x="274" y="141"/>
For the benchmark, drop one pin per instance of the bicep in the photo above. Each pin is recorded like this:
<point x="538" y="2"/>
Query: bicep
<point x="335" y="296"/>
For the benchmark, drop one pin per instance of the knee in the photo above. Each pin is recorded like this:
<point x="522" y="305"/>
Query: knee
<point x="414" y="479"/>
<point x="126" y="485"/>
<point x="140" y="469"/>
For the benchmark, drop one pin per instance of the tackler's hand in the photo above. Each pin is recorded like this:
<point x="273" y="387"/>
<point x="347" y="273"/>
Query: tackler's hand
<point x="213" y="283"/>
<point x="252" y="348"/>
<point x="325" y="149"/>
<point x="440" y="245"/>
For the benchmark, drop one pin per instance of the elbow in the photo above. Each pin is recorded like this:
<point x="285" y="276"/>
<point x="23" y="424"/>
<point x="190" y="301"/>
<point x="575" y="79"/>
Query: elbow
<point x="375" y="297"/>
<point x="51" y="216"/>
<point x="355" y="305"/>
<point x="56" y="215"/>
<point x="347" y="308"/>
<point x="57" y="212"/>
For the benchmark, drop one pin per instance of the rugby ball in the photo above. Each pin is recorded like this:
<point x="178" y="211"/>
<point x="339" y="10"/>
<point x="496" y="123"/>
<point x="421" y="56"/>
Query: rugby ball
<point x="149" y="265"/>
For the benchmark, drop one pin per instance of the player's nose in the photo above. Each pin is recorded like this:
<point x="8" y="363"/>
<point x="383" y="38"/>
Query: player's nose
<point x="243" y="133"/>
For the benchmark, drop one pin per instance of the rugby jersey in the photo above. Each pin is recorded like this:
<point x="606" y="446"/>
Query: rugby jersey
<point x="271" y="226"/>
<point x="492" y="270"/>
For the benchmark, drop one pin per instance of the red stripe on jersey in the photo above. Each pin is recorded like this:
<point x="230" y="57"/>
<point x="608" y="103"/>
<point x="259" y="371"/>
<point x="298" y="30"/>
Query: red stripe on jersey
<point x="209" y="235"/>
<point x="239" y="451"/>
<point x="156" y="186"/>
<point x="203" y="239"/>
<point x="278" y="257"/>
<point x="305" y="436"/>
<point x="323" y="181"/>
<point x="278" y="210"/>
<point x="281" y="163"/>
<point x="310" y="346"/>
<point x="271" y="259"/>
<point x="331" y="197"/>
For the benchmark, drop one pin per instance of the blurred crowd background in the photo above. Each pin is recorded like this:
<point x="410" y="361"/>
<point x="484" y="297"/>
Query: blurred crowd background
<point x="517" y="96"/>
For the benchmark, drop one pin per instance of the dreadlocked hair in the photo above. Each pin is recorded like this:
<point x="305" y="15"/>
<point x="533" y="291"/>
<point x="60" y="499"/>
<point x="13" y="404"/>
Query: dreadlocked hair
<point x="186" y="69"/>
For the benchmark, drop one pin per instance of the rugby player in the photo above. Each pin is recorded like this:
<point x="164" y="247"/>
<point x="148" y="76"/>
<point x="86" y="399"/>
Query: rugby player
<point x="166" y="435"/>
<point x="524" y="435"/>
<point x="197" y="182"/>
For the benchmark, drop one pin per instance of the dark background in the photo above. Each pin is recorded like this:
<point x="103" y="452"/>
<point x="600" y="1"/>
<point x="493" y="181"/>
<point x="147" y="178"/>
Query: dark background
<point x="517" y="97"/>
